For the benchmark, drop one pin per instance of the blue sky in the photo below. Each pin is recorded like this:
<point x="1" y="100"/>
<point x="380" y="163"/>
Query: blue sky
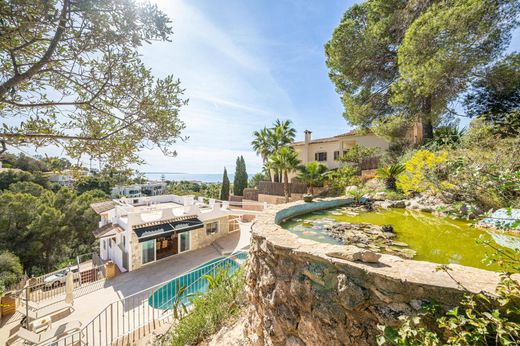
<point x="244" y="65"/>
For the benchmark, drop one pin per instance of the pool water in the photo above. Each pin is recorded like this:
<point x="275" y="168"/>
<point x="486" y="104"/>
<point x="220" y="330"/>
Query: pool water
<point x="164" y="298"/>
<point x="434" y="238"/>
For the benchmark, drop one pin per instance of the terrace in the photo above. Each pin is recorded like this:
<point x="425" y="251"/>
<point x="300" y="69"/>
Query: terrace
<point x="105" y="293"/>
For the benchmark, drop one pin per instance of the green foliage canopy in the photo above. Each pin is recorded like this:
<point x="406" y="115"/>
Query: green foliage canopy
<point x="71" y="70"/>
<point x="394" y="61"/>
<point x="11" y="270"/>
<point x="495" y="97"/>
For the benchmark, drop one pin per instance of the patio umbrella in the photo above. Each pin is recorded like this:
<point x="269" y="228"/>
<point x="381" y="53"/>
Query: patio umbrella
<point x="69" y="288"/>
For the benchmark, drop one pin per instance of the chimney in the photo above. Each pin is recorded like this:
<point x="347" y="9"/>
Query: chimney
<point x="305" y="154"/>
<point x="307" y="136"/>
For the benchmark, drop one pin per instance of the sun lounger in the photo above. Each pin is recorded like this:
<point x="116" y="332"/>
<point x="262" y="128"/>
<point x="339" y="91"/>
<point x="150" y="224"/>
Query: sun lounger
<point x="49" y="310"/>
<point x="48" y="335"/>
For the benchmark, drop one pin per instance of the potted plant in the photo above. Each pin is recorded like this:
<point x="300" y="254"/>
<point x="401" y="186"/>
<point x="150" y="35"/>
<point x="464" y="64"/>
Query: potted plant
<point x="308" y="198"/>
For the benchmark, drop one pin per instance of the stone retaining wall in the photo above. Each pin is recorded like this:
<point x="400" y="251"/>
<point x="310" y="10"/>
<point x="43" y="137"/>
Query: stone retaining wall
<point x="308" y="293"/>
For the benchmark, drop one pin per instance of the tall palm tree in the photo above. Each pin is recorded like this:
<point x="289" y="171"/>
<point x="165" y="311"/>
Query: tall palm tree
<point x="285" y="160"/>
<point x="312" y="175"/>
<point x="281" y="134"/>
<point x="268" y="141"/>
<point x="262" y="145"/>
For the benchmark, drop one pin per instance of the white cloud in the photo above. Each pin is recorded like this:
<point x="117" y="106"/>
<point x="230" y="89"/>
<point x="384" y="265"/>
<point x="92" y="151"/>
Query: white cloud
<point x="232" y="92"/>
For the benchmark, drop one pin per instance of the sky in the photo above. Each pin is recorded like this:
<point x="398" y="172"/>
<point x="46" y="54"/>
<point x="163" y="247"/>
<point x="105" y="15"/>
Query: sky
<point x="243" y="66"/>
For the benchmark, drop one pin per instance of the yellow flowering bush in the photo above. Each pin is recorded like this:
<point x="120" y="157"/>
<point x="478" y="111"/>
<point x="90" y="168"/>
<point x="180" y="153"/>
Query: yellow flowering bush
<point x="417" y="170"/>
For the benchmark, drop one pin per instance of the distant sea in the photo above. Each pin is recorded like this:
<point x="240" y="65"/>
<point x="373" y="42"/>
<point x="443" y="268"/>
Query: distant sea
<point x="205" y="178"/>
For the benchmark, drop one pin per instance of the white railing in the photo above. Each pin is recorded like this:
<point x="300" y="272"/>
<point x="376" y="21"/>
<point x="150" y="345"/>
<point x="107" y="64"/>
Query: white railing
<point x="147" y="309"/>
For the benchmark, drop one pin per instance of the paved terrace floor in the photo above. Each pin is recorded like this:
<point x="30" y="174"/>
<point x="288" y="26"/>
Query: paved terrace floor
<point x="88" y="305"/>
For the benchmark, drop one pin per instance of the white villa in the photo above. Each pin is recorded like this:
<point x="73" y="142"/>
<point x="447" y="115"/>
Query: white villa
<point x="138" y="231"/>
<point x="138" y="190"/>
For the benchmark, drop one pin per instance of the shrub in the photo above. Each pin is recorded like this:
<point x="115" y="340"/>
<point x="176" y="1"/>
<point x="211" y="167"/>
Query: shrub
<point x="390" y="174"/>
<point x="209" y="311"/>
<point x="484" y="170"/>
<point x="342" y="177"/>
<point x="479" y="320"/>
<point x="418" y="169"/>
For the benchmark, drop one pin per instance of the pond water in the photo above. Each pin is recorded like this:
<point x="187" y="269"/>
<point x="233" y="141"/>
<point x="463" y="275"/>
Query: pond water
<point x="435" y="239"/>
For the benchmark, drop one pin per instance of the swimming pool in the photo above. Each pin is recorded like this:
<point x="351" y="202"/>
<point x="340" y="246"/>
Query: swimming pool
<point x="164" y="298"/>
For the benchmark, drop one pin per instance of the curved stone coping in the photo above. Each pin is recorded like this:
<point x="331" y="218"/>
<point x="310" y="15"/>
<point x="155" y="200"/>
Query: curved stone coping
<point x="267" y="232"/>
<point x="305" y="208"/>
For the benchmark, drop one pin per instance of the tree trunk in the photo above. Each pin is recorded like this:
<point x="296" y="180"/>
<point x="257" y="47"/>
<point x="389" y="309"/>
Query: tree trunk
<point x="391" y="184"/>
<point x="427" y="119"/>
<point x="427" y="130"/>
<point x="286" y="186"/>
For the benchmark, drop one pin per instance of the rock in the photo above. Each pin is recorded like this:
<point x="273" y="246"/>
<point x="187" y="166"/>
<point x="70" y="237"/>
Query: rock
<point x="379" y="196"/>
<point x="368" y="236"/>
<point x="390" y="204"/>
<point x="398" y="204"/>
<point x="388" y="228"/>
<point x="350" y="294"/>
<point x="361" y="256"/>
<point x="369" y="257"/>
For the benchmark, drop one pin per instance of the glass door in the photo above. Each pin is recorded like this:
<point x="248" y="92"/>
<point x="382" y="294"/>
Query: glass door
<point x="184" y="243"/>
<point x="148" y="251"/>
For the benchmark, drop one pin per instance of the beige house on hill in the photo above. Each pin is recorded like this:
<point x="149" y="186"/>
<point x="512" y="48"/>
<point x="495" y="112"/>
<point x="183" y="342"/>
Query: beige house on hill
<point x="329" y="150"/>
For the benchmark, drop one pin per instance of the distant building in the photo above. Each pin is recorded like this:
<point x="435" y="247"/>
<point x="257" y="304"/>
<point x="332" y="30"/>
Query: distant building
<point x="329" y="150"/>
<point x="140" y="190"/>
<point x="62" y="178"/>
<point x="66" y="177"/>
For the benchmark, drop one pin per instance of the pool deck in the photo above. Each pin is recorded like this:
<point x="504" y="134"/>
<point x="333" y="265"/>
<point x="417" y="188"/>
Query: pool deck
<point x="87" y="306"/>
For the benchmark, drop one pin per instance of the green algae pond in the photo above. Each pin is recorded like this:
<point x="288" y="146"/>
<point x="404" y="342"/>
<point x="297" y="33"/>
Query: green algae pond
<point x="434" y="238"/>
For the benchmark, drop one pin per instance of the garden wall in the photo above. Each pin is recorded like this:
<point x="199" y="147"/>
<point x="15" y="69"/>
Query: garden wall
<point x="308" y="293"/>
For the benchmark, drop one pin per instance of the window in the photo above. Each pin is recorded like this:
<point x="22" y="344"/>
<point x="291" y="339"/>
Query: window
<point x="212" y="228"/>
<point x="184" y="244"/>
<point x="321" y="156"/>
<point x="148" y="251"/>
<point x="104" y="244"/>
<point x="336" y="156"/>
<point x="124" y="241"/>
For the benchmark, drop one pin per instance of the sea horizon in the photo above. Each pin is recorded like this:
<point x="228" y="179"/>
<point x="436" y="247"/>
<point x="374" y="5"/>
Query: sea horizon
<point x="199" y="177"/>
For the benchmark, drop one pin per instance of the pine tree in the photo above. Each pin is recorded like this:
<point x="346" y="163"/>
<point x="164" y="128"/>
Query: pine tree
<point x="224" y="191"/>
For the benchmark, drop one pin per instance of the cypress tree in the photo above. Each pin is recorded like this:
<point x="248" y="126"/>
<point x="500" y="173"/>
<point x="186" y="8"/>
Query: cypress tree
<point x="236" y="181"/>
<point x="240" y="181"/>
<point x="224" y="190"/>
<point x="243" y="177"/>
